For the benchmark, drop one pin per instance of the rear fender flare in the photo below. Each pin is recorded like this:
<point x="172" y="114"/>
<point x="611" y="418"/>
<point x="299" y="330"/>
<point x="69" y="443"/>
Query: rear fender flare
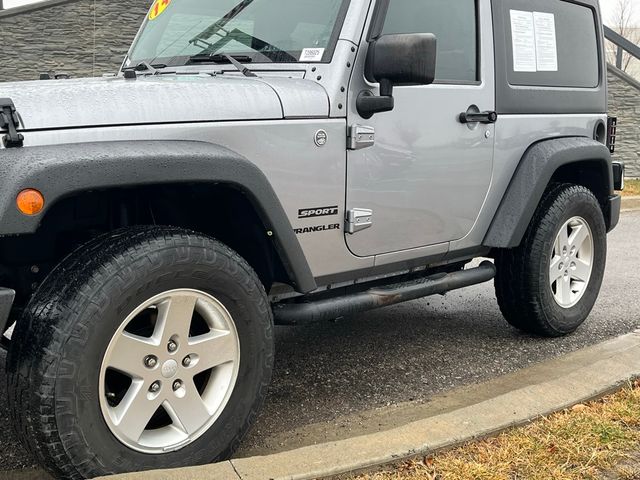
<point x="535" y="170"/>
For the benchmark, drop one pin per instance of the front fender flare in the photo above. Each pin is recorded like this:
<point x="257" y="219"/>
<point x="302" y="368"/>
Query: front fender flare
<point x="62" y="170"/>
<point x="534" y="172"/>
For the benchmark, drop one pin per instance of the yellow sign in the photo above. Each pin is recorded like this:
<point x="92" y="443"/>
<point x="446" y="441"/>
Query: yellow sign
<point x="158" y="7"/>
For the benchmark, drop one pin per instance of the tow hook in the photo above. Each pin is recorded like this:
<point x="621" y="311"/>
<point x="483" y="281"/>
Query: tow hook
<point x="10" y="121"/>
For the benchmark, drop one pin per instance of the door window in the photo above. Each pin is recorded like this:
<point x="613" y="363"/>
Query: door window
<point x="454" y="24"/>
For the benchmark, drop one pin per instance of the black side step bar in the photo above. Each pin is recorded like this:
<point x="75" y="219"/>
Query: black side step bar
<point x="332" y="308"/>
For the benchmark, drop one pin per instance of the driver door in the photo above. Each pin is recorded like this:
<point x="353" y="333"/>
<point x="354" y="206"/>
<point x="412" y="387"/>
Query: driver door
<point x="427" y="175"/>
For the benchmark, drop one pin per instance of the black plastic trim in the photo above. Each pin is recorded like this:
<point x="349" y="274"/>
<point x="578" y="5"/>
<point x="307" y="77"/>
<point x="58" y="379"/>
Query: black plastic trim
<point x="63" y="170"/>
<point x="618" y="175"/>
<point x="531" y="179"/>
<point x="612" y="211"/>
<point x="6" y="302"/>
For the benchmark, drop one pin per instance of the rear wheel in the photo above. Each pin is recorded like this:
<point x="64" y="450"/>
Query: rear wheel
<point x="149" y="348"/>
<point x="549" y="284"/>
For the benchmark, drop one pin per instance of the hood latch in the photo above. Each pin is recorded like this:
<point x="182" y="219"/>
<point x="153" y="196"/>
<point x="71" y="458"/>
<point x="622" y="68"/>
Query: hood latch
<point x="10" y="121"/>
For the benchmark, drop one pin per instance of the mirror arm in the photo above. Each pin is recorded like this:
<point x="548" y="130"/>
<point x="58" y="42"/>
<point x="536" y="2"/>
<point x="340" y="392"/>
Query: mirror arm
<point x="386" y="88"/>
<point x="369" y="104"/>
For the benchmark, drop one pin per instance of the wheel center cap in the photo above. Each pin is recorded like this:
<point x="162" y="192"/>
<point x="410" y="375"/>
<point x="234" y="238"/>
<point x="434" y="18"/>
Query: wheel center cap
<point x="169" y="368"/>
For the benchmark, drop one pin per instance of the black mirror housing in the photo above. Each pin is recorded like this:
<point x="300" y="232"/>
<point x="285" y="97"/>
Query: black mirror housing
<point x="402" y="59"/>
<point x="397" y="60"/>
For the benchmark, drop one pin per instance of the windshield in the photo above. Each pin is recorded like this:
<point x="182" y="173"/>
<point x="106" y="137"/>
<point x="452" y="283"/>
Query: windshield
<point x="177" y="32"/>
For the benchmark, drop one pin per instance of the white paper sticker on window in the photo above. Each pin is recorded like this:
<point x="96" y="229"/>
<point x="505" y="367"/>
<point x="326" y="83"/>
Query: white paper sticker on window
<point x="312" y="55"/>
<point x="546" y="45"/>
<point x="523" y="37"/>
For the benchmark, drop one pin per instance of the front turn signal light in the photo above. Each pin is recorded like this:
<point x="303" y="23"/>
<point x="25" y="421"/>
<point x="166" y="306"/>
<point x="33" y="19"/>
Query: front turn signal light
<point x="30" y="201"/>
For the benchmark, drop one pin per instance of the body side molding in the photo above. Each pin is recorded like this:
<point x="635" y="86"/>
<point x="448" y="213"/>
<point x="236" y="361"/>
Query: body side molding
<point x="63" y="170"/>
<point x="535" y="170"/>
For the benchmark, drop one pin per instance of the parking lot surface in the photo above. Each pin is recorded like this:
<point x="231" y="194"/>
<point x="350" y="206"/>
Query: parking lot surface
<point x="330" y="377"/>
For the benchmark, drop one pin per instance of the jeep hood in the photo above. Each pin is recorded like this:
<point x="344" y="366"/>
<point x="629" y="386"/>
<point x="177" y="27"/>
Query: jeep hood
<point x="58" y="104"/>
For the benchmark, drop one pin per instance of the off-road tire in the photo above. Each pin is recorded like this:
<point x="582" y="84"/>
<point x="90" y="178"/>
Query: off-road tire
<point x="522" y="280"/>
<point x="58" y="345"/>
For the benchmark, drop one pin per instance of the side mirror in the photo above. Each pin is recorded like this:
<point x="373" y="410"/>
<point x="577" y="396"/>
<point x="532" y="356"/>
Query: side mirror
<point x="397" y="60"/>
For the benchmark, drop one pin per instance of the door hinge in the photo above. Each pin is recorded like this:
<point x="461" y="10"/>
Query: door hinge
<point x="10" y="122"/>
<point x="360" y="136"/>
<point x="358" y="219"/>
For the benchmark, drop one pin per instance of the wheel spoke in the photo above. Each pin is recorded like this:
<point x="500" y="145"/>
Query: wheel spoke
<point x="578" y="236"/>
<point x="566" y="290"/>
<point x="128" y="354"/>
<point x="581" y="271"/>
<point x="555" y="271"/>
<point x="213" y="349"/>
<point x="562" y="242"/>
<point x="563" y="290"/>
<point x="188" y="411"/>
<point x="174" y="318"/>
<point x="135" y="410"/>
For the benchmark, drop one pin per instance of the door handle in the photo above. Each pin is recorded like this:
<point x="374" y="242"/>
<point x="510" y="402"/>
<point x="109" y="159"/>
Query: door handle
<point x="473" y="115"/>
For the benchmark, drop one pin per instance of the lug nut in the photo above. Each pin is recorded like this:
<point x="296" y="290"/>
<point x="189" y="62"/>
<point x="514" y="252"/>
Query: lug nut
<point x="150" y="361"/>
<point x="155" y="387"/>
<point x="177" y="385"/>
<point x="186" y="362"/>
<point x="173" y="346"/>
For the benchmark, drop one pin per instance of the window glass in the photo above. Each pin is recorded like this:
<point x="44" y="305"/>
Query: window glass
<point x="453" y="22"/>
<point x="576" y="45"/>
<point x="263" y="30"/>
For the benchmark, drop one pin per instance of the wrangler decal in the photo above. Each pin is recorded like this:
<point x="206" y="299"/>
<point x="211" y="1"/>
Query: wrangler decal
<point x="319" y="228"/>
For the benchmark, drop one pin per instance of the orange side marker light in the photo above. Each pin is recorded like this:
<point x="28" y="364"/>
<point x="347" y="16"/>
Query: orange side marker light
<point x="30" y="201"/>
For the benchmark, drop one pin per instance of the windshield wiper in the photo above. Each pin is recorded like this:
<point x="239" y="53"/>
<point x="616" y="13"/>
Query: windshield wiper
<point x="225" y="58"/>
<point x="145" y="66"/>
<point x="218" y="25"/>
<point x="244" y="70"/>
<point x="261" y="46"/>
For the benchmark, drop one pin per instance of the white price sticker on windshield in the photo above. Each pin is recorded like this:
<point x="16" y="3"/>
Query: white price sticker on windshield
<point x="312" y="55"/>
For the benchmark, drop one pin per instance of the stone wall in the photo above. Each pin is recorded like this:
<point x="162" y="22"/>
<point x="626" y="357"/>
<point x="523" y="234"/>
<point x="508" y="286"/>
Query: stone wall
<point x="76" y="37"/>
<point x="624" y="102"/>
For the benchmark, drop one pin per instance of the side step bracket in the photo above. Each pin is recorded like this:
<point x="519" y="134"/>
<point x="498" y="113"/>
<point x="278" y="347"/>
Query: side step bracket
<point x="329" y="309"/>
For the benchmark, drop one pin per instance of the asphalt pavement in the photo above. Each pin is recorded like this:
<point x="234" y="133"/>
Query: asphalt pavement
<point x="334" y="380"/>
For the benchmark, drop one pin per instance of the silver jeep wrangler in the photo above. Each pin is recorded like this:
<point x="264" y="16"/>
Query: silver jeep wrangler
<point x="261" y="162"/>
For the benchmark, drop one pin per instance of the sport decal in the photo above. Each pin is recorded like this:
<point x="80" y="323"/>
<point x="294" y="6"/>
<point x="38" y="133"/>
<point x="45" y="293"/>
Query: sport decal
<point x="158" y="7"/>
<point x="318" y="212"/>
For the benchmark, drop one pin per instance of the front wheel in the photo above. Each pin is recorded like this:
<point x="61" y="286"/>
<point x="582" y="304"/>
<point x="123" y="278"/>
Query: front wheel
<point x="148" y="348"/>
<point x="549" y="284"/>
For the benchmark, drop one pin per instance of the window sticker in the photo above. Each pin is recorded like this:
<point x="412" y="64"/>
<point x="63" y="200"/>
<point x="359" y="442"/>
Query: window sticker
<point x="546" y="44"/>
<point x="523" y="38"/>
<point x="535" y="47"/>
<point x="158" y="7"/>
<point x="312" y="55"/>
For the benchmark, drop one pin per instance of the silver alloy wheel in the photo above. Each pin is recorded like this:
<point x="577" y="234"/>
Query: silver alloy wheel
<point x="571" y="262"/>
<point x="169" y="371"/>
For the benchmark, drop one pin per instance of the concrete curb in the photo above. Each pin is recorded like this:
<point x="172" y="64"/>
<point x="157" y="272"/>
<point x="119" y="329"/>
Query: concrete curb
<point x="583" y="375"/>
<point x="630" y="204"/>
